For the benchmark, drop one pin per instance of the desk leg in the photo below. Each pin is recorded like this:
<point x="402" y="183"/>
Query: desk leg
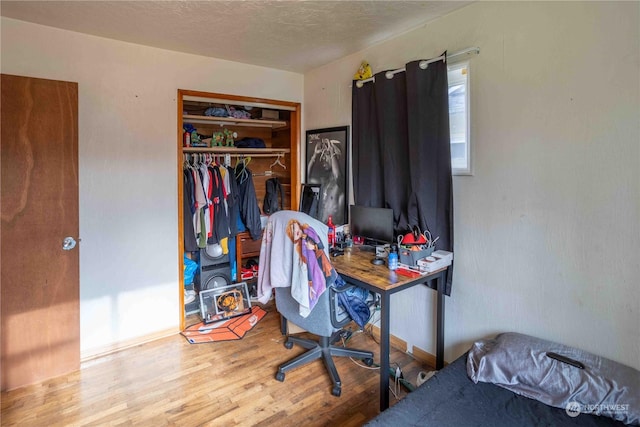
<point x="384" y="350"/>
<point x="440" y="284"/>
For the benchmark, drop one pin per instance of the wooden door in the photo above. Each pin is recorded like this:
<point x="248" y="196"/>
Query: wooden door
<point x="40" y="315"/>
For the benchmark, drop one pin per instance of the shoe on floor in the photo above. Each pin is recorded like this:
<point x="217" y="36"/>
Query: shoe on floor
<point x="189" y="297"/>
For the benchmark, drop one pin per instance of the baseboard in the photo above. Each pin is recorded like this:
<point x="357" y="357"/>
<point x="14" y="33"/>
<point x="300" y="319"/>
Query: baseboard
<point x="401" y="345"/>
<point x="425" y="356"/>
<point x="394" y="341"/>
<point x="97" y="352"/>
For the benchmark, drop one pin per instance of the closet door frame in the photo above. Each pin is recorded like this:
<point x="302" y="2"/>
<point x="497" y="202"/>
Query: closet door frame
<point x="294" y="139"/>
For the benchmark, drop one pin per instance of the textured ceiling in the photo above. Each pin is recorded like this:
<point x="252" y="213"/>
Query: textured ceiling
<point x="288" y="35"/>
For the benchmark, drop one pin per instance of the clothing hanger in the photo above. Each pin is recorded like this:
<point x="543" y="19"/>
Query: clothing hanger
<point x="278" y="162"/>
<point x="241" y="168"/>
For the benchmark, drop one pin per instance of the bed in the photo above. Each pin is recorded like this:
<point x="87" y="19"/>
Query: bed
<point x="452" y="397"/>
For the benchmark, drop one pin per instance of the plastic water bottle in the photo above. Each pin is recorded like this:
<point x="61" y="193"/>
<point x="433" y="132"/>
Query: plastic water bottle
<point x="331" y="233"/>
<point x="392" y="258"/>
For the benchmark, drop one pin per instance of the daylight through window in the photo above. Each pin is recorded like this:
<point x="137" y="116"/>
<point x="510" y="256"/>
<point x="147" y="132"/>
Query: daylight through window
<point x="458" y="74"/>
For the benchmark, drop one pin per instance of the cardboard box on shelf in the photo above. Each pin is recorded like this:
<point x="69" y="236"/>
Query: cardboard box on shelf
<point x="270" y="114"/>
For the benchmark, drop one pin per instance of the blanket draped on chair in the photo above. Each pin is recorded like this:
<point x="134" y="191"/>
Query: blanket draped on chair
<point x="294" y="253"/>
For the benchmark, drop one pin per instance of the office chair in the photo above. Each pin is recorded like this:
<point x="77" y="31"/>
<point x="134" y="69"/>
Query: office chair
<point x="325" y="320"/>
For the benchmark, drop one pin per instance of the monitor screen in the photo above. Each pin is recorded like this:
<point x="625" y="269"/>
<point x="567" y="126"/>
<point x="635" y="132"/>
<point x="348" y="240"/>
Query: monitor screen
<point x="375" y="224"/>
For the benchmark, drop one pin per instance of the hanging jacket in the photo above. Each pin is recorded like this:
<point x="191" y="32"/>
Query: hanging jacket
<point x="188" y="204"/>
<point x="233" y="202"/>
<point x="274" y="197"/>
<point x="249" y="210"/>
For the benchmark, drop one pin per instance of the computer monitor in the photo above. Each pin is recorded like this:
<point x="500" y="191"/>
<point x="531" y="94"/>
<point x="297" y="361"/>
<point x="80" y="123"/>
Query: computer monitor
<point x="375" y="225"/>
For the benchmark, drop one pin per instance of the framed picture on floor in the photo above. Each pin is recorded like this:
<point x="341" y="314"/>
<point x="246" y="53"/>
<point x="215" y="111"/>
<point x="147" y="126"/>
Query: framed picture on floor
<point x="224" y="302"/>
<point x="327" y="165"/>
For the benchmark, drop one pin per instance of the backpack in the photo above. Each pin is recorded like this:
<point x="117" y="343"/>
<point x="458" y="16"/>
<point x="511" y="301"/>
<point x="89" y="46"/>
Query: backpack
<point x="271" y="203"/>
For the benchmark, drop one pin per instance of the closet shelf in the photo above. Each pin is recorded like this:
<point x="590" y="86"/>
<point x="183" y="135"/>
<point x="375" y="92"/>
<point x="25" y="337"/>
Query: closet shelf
<point x="222" y="121"/>
<point x="236" y="150"/>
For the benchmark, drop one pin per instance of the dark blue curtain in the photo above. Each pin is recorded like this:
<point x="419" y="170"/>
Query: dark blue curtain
<point x="402" y="154"/>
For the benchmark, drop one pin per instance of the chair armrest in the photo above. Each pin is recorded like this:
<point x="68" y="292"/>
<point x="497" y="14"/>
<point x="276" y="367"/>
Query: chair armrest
<point x="341" y="290"/>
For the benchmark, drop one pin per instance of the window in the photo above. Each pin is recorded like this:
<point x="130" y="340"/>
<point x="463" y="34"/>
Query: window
<point x="458" y="75"/>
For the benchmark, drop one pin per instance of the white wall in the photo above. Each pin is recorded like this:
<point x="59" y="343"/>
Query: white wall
<point x="127" y="165"/>
<point x="547" y="237"/>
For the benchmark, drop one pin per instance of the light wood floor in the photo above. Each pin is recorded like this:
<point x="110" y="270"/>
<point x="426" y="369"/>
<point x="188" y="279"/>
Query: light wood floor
<point x="172" y="382"/>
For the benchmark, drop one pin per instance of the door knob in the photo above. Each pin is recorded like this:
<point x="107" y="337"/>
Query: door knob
<point x="68" y="243"/>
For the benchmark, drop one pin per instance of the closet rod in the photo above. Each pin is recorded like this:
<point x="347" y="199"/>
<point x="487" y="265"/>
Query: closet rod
<point x="257" y="155"/>
<point x="237" y="154"/>
<point x="424" y="64"/>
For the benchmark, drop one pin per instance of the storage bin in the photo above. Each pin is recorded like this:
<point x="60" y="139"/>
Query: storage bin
<point x="410" y="258"/>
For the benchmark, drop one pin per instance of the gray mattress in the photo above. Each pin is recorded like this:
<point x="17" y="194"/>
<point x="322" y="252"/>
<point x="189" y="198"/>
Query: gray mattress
<point x="450" y="398"/>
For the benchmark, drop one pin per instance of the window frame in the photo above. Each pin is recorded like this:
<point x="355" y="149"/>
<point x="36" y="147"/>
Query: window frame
<point x="451" y="67"/>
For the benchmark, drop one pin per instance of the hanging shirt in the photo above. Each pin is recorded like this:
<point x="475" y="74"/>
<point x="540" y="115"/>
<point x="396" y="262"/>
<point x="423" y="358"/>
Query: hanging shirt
<point x="206" y="186"/>
<point x="200" y="205"/>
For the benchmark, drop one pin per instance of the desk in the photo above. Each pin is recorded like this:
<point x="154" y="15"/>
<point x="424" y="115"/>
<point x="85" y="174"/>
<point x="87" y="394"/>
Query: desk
<point x="355" y="267"/>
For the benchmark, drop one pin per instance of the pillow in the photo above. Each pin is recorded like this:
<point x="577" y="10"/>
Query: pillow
<point x="520" y="364"/>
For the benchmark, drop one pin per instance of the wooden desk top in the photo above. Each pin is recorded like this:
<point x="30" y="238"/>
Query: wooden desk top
<point x="357" y="264"/>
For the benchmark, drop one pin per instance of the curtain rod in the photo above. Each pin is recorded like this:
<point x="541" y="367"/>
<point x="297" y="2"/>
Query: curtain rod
<point x="424" y="64"/>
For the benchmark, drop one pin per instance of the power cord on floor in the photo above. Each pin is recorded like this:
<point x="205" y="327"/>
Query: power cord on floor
<point x="346" y="336"/>
<point x="398" y="381"/>
<point x="368" y="328"/>
<point x="395" y="390"/>
<point x="395" y="373"/>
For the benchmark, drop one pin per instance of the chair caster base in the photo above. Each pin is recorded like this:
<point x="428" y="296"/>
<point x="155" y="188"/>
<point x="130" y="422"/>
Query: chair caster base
<point x="280" y="376"/>
<point x="336" y="391"/>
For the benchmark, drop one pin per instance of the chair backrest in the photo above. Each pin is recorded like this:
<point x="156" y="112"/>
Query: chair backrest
<point x="310" y="200"/>
<point x="318" y="322"/>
